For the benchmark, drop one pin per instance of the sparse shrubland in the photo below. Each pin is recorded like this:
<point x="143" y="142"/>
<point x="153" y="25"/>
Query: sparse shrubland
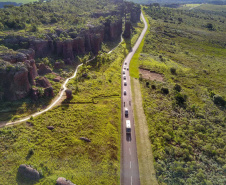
<point x="186" y="113"/>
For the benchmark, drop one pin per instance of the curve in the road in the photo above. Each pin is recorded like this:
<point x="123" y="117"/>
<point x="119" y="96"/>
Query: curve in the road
<point x="129" y="161"/>
<point x="59" y="96"/>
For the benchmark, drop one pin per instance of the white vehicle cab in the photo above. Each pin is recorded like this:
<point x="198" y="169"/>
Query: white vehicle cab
<point x="123" y="72"/>
<point x="128" y="127"/>
<point x="125" y="83"/>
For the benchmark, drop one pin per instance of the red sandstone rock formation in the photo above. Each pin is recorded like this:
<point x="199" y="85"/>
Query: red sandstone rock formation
<point x="43" y="69"/>
<point x="63" y="181"/>
<point x="43" y="82"/>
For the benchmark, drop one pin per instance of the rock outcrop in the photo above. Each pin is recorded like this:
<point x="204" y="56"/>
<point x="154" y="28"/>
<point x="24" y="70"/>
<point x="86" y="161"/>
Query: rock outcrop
<point x="16" y="80"/>
<point x="43" y="69"/>
<point x="135" y="13"/>
<point x="127" y="31"/>
<point x="26" y="172"/>
<point x="63" y="181"/>
<point x="42" y="82"/>
<point x="68" y="94"/>
<point x="48" y="92"/>
<point x="88" y="40"/>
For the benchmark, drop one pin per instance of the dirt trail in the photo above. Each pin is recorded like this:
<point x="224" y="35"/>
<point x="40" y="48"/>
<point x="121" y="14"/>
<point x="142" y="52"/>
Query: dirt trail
<point x="144" y="150"/>
<point x="57" y="100"/>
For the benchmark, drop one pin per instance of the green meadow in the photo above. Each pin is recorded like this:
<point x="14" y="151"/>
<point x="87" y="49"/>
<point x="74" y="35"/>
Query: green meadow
<point x="185" y="112"/>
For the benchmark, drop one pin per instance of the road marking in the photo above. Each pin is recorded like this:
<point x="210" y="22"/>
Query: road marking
<point x="130" y="164"/>
<point x="129" y="151"/>
<point x="131" y="180"/>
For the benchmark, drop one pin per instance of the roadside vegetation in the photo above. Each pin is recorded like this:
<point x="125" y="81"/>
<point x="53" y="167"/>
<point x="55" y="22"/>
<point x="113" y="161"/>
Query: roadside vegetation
<point x="94" y="112"/>
<point x="186" y="110"/>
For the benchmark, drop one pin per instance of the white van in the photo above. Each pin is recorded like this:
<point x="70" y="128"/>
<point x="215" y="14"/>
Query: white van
<point x="128" y="127"/>
<point x="124" y="77"/>
<point x="123" y="72"/>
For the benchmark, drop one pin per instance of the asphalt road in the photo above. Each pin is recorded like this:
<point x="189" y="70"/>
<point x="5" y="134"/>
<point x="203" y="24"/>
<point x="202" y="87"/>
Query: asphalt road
<point x="129" y="161"/>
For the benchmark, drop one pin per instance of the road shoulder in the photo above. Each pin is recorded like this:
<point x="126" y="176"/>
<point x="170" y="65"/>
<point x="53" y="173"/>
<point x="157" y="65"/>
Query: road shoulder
<point x="144" y="150"/>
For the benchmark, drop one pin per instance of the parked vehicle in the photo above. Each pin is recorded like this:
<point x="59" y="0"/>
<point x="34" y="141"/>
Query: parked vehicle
<point x="124" y="77"/>
<point x="124" y="92"/>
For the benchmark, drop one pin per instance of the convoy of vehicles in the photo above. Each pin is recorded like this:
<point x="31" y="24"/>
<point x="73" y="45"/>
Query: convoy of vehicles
<point x="128" y="124"/>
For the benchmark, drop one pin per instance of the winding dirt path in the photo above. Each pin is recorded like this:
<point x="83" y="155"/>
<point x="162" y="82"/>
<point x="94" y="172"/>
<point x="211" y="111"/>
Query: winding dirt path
<point x="57" y="100"/>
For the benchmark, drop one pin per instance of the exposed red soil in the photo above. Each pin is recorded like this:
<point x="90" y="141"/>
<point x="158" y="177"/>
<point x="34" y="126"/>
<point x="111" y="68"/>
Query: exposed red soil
<point x="151" y="75"/>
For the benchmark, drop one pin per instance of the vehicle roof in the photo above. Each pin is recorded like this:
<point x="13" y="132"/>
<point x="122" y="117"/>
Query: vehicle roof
<point x="128" y="124"/>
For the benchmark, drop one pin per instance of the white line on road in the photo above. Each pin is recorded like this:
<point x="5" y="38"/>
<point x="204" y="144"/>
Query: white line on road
<point x="131" y="180"/>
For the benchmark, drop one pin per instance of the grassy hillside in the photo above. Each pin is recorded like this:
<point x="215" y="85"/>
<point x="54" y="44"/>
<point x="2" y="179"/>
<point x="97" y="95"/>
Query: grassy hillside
<point x="94" y="113"/>
<point x="186" y="111"/>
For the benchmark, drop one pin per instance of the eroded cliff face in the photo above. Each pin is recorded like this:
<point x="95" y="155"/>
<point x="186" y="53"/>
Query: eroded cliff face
<point x="17" y="74"/>
<point x="18" y="69"/>
<point x="89" y="40"/>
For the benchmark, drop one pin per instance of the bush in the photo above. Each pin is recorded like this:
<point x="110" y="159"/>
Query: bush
<point x="147" y="84"/>
<point x="153" y="86"/>
<point x="177" y="88"/>
<point x="180" y="99"/>
<point x="165" y="90"/>
<point x="218" y="100"/>
<point x="173" y="70"/>
<point x="34" y="28"/>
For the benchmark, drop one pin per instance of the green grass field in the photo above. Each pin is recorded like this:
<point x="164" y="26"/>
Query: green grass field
<point x="186" y="127"/>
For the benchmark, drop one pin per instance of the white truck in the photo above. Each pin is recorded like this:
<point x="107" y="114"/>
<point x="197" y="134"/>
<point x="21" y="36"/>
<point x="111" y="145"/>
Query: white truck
<point x="128" y="127"/>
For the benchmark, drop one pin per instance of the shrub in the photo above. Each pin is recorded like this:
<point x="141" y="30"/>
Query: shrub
<point x="218" y="100"/>
<point x="177" y="88"/>
<point x="147" y="84"/>
<point x="165" y="90"/>
<point x="34" y="28"/>
<point x="180" y="99"/>
<point x="173" y="70"/>
<point x="153" y="86"/>
<point x="167" y="136"/>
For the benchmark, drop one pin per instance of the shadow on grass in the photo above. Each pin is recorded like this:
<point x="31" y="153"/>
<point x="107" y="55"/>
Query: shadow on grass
<point x="12" y="110"/>
<point x="128" y="44"/>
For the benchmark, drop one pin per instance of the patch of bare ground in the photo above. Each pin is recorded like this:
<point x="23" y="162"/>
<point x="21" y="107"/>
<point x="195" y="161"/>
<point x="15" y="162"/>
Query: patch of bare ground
<point x="144" y="150"/>
<point x="151" y="75"/>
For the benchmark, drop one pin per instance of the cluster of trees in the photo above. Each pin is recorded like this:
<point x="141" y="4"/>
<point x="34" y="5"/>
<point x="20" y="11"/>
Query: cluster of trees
<point x="59" y="12"/>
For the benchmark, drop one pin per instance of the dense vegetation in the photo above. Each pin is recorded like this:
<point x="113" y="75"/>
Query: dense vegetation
<point x="40" y="16"/>
<point x="186" y="113"/>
